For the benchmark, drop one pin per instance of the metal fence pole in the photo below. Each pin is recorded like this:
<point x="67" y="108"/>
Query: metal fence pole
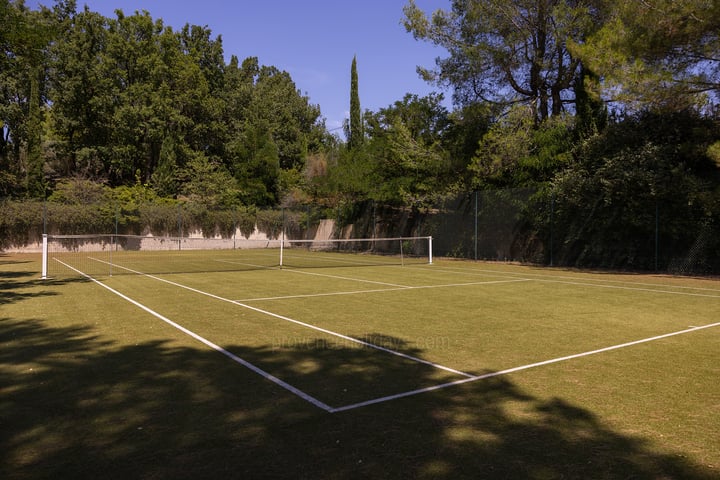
<point x="476" y="224"/>
<point x="179" y="227"/>
<point x="657" y="233"/>
<point x="552" y="218"/>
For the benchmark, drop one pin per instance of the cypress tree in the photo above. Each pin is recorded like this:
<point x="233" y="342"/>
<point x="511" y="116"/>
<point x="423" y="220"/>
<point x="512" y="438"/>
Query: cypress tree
<point x="355" y="137"/>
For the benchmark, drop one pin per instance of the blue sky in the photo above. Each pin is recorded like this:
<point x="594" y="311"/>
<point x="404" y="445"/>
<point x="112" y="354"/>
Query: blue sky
<point x="313" y="40"/>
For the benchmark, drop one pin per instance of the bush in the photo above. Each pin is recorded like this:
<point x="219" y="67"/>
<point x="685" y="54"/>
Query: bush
<point x="18" y="220"/>
<point x="270" y="222"/>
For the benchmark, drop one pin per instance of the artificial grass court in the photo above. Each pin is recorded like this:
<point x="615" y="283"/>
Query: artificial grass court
<point x="450" y="370"/>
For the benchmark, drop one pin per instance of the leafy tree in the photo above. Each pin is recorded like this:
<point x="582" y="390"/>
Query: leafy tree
<point x="506" y="52"/>
<point x="408" y="163"/>
<point x="197" y="79"/>
<point x="517" y="153"/>
<point x="273" y="129"/>
<point x="425" y="117"/>
<point x="144" y="96"/>
<point x="466" y="127"/>
<point x="83" y="96"/>
<point x="24" y="42"/>
<point x="608" y="197"/>
<point x="209" y="183"/>
<point x="591" y="115"/>
<point x="257" y="165"/>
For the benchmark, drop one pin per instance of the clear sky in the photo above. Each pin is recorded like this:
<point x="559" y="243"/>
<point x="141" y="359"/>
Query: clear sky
<point x="313" y="40"/>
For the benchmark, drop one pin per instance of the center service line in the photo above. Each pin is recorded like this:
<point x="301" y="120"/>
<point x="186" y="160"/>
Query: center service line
<point x="303" y="324"/>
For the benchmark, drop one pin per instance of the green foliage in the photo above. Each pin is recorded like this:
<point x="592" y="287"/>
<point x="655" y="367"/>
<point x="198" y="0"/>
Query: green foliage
<point x="78" y="191"/>
<point x="462" y="135"/>
<point x="270" y="222"/>
<point x="161" y="217"/>
<point x="209" y="183"/>
<point x="114" y="99"/>
<point x="608" y="199"/>
<point x="515" y="152"/>
<point x="659" y="52"/>
<point x="713" y="152"/>
<point x="245" y="220"/>
<point x="19" y="220"/>
<point x="403" y="159"/>
<point x="126" y="203"/>
<point x="79" y="219"/>
<point x="505" y="52"/>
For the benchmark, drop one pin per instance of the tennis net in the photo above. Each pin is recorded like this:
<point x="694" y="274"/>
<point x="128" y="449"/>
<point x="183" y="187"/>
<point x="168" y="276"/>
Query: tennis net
<point x="100" y="255"/>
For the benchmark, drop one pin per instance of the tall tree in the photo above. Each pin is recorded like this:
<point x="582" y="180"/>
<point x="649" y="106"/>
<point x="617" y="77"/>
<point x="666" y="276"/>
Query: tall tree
<point x="24" y="41"/>
<point x="408" y="162"/>
<point x="272" y="129"/>
<point x="83" y="97"/>
<point x="506" y="51"/>
<point x="356" y="134"/>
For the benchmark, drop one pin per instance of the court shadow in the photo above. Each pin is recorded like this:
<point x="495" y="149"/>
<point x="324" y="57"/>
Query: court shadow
<point x="17" y="286"/>
<point x="77" y="405"/>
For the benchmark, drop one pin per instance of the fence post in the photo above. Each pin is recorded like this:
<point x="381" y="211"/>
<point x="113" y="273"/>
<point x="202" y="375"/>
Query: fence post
<point x="476" y="224"/>
<point x="552" y="221"/>
<point x="657" y="233"/>
<point x="179" y="226"/>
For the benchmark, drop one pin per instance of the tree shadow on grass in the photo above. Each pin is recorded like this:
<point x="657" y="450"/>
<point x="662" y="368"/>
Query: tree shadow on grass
<point x="18" y="285"/>
<point x="75" y="405"/>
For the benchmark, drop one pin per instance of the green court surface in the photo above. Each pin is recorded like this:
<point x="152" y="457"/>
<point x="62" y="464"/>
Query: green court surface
<point x="334" y="368"/>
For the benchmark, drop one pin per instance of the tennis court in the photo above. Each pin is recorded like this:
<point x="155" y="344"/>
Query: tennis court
<point x="171" y="364"/>
<point x="442" y="324"/>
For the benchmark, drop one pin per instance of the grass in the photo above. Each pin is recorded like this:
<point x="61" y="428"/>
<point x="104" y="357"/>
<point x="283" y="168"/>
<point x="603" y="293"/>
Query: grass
<point x="93" y="386"/>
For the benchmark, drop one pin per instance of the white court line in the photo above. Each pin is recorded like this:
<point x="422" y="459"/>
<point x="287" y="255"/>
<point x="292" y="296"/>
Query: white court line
<point x="212" y="345"/>
<point x="253" y="265"/>
<point x="382" y="290"/>
<point x="345" y="278"/>
<point x="575" y="280"/>
<point x="516" y="369"/>
<point x="298" y="322"/>
<point x="327" y="408"/>
<point x="344" y="261"/>
<point x="635" y="289"/>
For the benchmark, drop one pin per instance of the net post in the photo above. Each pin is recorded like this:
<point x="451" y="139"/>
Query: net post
<point x="282" y="246"/>
<point x="430" y="259"/>
<point x="44" y="256"/>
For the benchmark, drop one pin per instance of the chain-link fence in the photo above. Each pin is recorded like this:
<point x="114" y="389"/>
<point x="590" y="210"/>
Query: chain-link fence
<point x="526" y="225"/>
<point x="523" y="225"/>
<point x="535" y="227"/>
